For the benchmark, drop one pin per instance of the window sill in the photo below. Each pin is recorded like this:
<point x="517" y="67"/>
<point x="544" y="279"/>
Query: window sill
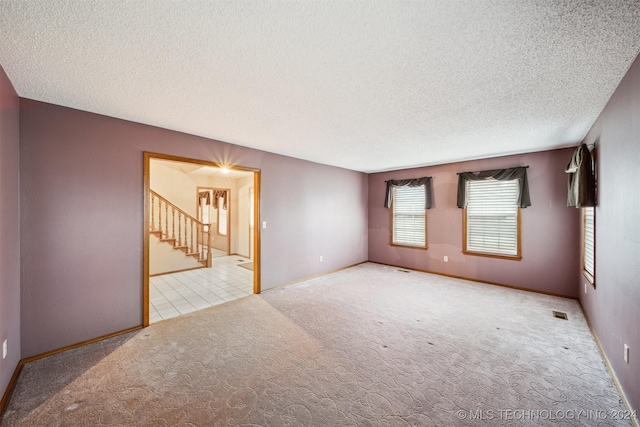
<point x="590" y="278"/>
<point x="509" y="257"/>
<point x="409" y="246"/>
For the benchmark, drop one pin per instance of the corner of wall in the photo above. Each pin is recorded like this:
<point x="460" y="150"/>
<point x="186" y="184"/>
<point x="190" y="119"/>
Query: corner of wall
<point x="9" y="235"/>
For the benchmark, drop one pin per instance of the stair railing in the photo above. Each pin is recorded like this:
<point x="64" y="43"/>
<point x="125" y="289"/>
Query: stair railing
<point x="193" y="236"/>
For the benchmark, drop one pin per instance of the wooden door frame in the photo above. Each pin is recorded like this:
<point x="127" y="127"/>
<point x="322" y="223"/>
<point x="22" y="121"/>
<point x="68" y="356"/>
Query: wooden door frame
<point x="148" y="156"/>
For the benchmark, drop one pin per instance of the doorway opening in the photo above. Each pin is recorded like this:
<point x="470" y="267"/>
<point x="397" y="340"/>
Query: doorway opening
<point x="200" y="244"/>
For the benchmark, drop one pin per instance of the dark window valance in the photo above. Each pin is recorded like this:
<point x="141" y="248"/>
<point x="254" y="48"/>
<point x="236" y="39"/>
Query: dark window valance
<point x="519" y="173"/>
<point x="582" y="182"/>
<point x="426" y="181"/>
<point x="206" y="196"/>
<point x="220" y="193"/>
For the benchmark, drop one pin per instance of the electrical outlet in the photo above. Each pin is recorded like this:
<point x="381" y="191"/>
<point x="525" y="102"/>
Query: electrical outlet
<point x="4" y="349"/>
<point x="585" y="288"/>
<point x="446" y="258"/>
<point x="320" y="258"/>
<point x="626" y="353"/>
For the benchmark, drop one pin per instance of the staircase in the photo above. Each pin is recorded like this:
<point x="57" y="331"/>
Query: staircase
<point x="177" y="228"/>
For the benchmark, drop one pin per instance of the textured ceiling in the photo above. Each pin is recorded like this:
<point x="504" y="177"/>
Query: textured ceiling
<point x="365" y="85"/>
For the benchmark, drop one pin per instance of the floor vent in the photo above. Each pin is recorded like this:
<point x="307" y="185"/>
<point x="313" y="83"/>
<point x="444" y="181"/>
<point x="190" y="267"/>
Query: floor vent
<point x="560" y="315"/>
<point x="404" y="271"/>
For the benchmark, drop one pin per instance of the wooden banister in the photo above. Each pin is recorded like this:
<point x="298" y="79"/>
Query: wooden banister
<point x="166" y="211"/>
<point x="154" y="194"/>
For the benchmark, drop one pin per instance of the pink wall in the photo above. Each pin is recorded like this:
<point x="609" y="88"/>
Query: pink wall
<point x="82" y="261"/>
<point x="82" y="213"/>
<point x="549" y="229"/>
<point x="613" y="306"/>
<point x="9" y="230"/>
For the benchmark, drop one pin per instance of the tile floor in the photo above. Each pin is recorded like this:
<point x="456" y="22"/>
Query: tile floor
<point x="171" y="295"/>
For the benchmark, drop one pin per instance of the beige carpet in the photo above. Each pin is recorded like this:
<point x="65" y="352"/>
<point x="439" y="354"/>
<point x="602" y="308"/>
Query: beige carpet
<point x="367" y="346"/>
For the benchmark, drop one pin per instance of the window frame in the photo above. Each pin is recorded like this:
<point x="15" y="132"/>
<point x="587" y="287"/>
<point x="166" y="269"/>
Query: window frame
<point x="392" y="222"/>
<point x="220" y="230"/>
<point x="590" y="276"/>
<point x="465" y="250"/>
<point x="214" y="214"/>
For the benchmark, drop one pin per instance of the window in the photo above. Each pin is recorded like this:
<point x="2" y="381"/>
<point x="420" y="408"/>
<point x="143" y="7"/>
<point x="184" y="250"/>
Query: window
<point x="588" y="247"/>
<point x="492" y="219"/>
<point x="409" y="217"/>
<point x="204" y="207"/>
<point x="222" y="217"/>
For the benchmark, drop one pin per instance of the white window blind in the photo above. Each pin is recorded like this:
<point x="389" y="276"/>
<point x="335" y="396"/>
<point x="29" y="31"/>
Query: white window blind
<point x="409" y="216"/>
<point x="589" y="241"/>
<point x="492" y="217"/>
